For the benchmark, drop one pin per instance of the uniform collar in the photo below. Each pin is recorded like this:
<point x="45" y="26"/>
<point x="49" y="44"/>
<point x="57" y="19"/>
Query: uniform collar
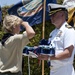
<point x="5" y="37"/>
<point x="63" y="26"/>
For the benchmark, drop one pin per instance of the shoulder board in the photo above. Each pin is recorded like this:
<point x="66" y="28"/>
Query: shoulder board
<point x="74" y="27"/>
<point x="50" y="36"/>
<point x="68" y="26"/>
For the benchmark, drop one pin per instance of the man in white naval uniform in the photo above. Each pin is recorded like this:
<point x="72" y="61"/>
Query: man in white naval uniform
<point x="63" y="39"/>
<point x="70" y="5"/>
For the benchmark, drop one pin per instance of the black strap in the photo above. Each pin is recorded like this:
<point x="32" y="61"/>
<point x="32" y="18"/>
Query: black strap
<point x="5" y="37"/>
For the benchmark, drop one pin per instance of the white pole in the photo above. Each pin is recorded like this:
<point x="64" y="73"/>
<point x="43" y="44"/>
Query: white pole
<point x="28" y="66"/>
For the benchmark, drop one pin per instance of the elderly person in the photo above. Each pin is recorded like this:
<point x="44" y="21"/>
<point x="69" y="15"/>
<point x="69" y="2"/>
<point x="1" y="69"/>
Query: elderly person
<point x="63" y="39"/>
<point x="12" y="45"/>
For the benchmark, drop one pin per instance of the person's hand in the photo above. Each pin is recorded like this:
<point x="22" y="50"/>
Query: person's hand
<point x="29" y="30"/>
<point x="24" y="23"/>
<point x="43" y="57"/>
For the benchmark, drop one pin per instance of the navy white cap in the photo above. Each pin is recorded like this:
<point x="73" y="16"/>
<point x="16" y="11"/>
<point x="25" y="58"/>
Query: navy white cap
<point x="53" y="8"/>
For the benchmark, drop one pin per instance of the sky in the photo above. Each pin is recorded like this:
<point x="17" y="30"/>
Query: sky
<point x="8" y="2"/>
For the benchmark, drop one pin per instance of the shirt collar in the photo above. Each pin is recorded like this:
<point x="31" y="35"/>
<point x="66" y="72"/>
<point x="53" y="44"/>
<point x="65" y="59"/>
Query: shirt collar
<point x="63" y="26"/>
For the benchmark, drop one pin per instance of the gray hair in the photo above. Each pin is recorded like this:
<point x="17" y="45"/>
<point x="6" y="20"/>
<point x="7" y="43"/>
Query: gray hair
<point x="10" y="21"/>
<point x="66" y="15"/>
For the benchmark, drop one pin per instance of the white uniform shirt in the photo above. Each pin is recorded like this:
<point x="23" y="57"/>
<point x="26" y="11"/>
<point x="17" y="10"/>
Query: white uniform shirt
<point x="61" y="39"/>
<point x="11" y="53"/>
